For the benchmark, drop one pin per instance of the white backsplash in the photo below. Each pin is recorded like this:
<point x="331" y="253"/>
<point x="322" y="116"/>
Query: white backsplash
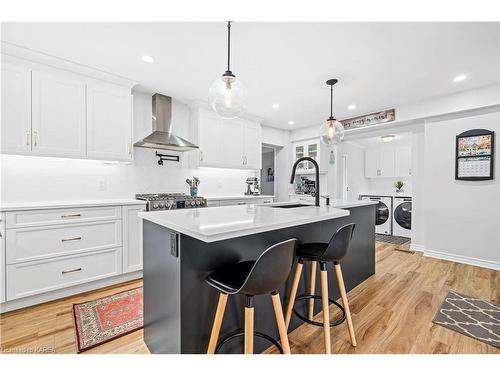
<point x="29" y="179"/>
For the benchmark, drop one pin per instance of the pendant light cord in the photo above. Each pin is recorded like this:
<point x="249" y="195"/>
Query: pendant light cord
<point x="331" y="100"/>
<point x="228" y="44"/>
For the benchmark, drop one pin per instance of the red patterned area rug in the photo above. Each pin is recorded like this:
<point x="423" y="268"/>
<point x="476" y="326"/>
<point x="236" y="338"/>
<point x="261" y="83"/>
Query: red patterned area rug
<point x="107" y="318"/>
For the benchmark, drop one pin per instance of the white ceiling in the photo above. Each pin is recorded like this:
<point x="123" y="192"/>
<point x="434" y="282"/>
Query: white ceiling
<point x="379" y="65"/>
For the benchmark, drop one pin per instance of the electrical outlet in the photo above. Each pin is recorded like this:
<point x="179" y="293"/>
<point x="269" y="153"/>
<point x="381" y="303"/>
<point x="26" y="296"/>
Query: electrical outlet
<point x="103" y="185"/>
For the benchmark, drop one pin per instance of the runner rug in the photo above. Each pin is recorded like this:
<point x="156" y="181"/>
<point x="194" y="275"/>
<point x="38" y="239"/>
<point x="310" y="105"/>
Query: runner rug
<point x="107" y="318"/>
<point x="470" y="316"/>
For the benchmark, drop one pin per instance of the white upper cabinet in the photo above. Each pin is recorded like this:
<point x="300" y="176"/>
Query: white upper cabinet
<point x="210" y="133"/>
<point x="372" y="163"/>
<point x="310" y="148"/>
<point x="253" y="145"/>
<point x="49" y="111"/>
<point x="402" y="161"/>
<point x="16" y="109"/>
<point x="388" y="161"/>
<point x="58" y="114"/>
<point x="225" y="143"/>
<point x="109" y="122"/>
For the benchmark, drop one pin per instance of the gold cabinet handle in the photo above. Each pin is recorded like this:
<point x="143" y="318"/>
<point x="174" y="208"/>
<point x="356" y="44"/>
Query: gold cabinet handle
<point x="71" y="271"/>
<point x="201" y="155"/>
<point x="35" y="133"/>
<point x="70" y="216"/>
<point x="28" y="141"/>
<point x="130" y="149"/>
<point x="71" y="239"/>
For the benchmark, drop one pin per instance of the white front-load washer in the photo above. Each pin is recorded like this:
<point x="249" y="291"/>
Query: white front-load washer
<point x="383" y="213"/>
<point x="402" y="217"/>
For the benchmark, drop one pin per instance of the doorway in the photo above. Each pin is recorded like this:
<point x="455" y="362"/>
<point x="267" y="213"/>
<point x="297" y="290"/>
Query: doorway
<point x="267" y="171"/>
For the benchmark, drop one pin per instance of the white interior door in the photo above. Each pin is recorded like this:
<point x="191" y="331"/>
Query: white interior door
<point x="58" y="117"/>
<point x="16" y="109"/>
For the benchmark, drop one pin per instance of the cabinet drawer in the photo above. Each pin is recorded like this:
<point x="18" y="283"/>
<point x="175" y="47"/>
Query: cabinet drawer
<point x="61" y="216"/>
<point x="27" y="279"/>
<point x="27" y="244"/>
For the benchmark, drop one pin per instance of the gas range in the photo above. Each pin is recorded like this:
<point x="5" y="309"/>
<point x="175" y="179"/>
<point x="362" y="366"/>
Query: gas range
<point x="171" y="201"/>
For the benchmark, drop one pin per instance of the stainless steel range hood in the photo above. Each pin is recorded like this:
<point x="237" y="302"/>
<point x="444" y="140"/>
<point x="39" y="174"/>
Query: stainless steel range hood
<point x="162" y="136"/>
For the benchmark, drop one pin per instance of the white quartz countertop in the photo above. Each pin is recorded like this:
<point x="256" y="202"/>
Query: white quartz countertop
<point x="67" y="204"/>
<point x="221" y="223"/>
<point x="235" y="197"/>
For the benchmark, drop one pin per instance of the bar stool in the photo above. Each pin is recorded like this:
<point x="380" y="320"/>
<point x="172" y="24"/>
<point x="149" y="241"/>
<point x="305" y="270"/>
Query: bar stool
<point x="322" y="253"/>
<point x="250" y="278"/>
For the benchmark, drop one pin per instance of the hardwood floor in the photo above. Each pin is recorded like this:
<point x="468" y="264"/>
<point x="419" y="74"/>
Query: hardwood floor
<point x="392" y="313"/>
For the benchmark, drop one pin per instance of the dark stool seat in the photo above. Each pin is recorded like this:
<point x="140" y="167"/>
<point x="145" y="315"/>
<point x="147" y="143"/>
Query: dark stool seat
<point x="322" y="253"/>
<point x="250" y="278"/>
<point x="229" y="279"/>
<point x="311" y="251"/>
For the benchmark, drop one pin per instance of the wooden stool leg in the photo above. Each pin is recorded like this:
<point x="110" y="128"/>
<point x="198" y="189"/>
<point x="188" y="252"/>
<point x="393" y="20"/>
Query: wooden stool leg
<point x="345" y="302"/>
<point x="219" y="315"/>
<point x="312" y="289"/>
<point x="280" y="321"/>
<point x="326" y="307"/>
<point x="249" y="310"/>
<point x="293" y="293"/>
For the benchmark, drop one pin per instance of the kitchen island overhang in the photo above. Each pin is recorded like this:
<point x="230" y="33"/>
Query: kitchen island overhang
<point x="182" y="247"/>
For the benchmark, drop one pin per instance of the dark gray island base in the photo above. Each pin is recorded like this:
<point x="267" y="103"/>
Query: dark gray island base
<point x="179" y="306"/>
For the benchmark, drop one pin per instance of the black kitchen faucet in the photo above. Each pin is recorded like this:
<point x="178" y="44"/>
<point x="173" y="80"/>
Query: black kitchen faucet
<point x="316" y="168"/>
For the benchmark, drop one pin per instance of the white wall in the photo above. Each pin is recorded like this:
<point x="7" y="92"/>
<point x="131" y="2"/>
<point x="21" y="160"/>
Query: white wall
<point x="417" y="182"/>
<point x="461" y="217"/>
<point x="28" y="179"/>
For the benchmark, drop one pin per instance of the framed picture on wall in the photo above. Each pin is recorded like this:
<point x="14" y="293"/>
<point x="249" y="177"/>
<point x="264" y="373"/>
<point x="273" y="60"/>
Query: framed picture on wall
<point x="475" y="155"/>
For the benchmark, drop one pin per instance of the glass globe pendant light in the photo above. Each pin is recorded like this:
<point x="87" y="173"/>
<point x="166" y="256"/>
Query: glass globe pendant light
<point x="331" y="132"/>
<point x="227" y="93"/>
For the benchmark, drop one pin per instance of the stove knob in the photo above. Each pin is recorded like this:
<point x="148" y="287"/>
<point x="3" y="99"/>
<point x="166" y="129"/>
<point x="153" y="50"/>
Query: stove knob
<point x="198" y="203"/>
<point x="155" y="205"/>
<point x="161" y="205"/>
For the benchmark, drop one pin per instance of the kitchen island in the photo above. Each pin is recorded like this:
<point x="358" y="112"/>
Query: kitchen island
<point x="181" y="247"/>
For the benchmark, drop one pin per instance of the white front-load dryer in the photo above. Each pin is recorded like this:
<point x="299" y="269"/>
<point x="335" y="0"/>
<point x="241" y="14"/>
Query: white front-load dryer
<point x="402" y="217"/>
<point x="383" y="213"/>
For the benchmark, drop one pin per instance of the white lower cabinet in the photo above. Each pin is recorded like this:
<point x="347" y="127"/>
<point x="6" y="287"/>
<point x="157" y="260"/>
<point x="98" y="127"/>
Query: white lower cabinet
<point x="45" y="250"/>
<point x="2" y="257"/>
<point x="32" y="243"/>
<point x="132" y="238"/>
<point x="27" y="279"/>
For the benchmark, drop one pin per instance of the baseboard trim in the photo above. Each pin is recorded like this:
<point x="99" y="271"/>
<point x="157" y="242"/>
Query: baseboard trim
<point x="416" y="247"/>
<point x="463" y="259"/>
<point x="67" y="292"/>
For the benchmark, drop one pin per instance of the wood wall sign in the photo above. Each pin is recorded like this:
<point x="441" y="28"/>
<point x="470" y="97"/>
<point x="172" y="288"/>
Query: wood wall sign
<point x="475" y="152"/>
<point x="369" y="119"/>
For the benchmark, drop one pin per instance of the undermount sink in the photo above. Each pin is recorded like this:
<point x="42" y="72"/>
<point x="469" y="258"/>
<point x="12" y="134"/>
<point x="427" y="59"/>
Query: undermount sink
<point x="291" y="205"/>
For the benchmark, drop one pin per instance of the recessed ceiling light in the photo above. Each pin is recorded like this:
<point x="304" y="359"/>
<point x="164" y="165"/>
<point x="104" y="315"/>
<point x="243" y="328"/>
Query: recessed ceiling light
<point x="275" y="106"/>
<point x="291" y="122"/>
<point x="460" y="78"/>
<point x="351" y="107"/>
<point x="147" y="59"/>
<point x="387" y="138"/>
